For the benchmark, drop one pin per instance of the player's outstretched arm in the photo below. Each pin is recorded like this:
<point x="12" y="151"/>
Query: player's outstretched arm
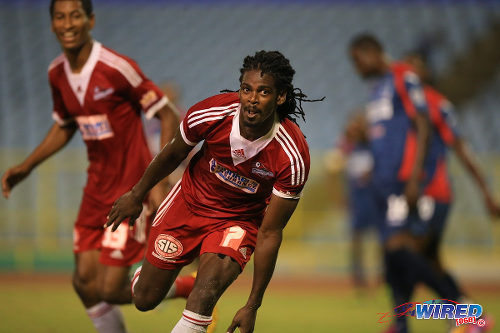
<point x="412" y="189"/>
<point x="467" y="158"/>
<point x="266" y="252"/>
<point x="129" y="205"/>
<point x="56" y="138"/>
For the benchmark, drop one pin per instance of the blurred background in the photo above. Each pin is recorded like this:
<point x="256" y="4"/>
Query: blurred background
<point x="198" y="46"/>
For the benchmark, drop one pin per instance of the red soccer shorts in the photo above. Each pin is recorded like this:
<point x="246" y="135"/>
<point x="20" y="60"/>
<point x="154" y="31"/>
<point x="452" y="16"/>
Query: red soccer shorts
<point x="122" y="247"/>
<point x="178" y="236"/>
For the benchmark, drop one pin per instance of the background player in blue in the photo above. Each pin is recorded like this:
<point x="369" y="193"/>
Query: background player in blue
<point x="398" y="130"/>
<point x="357" y="161"/>
<point x="438" y="193"/>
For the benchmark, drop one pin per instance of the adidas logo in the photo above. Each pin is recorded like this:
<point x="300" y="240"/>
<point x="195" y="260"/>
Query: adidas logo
<point x="243" y="251"/>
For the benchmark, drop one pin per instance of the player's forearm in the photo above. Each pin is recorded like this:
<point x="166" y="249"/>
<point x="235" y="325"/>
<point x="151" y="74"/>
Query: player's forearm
<point x="167" y="160"/>
<point x="422" y="131"/>
<point x="265" y="256"/>
<point x="56" y="138"/>
<point x="465" y="156"/>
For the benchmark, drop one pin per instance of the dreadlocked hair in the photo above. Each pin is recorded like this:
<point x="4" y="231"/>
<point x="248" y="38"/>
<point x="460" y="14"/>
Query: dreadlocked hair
<point x="275" y="64"/>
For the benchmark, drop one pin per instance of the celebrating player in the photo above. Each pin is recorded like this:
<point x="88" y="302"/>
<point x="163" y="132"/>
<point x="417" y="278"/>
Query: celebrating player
<point x="101" y="93"/>
<point x="235" y="197"/>
<point x="398" y="134"/>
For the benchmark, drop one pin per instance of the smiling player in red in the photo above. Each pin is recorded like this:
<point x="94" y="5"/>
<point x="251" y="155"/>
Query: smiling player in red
<point x="103" y="94"/>
<point x="235" y="197"/>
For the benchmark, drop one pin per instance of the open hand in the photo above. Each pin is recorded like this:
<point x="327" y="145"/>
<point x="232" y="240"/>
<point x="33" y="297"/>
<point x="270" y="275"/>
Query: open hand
<point x="127" y="206"/>
<point x="12" y="177"/>
<point x="493" y="207"/>
<point x="244" y="319"/>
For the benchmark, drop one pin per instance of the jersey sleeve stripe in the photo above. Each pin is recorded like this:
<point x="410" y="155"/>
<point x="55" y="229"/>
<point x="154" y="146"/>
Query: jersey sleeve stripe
<point x="302" y="165"/>
<point x="121" y="65"/>
<point x="60" y="121"/>
<point x="208" y="114"/>
<point x="286" y="196"/>
<point x="204" y="120"/>
<point x="292" y="161"/>
<point x="186" y="140"/>
<point x="296" y="158"/>
<point x="215" y="108"/>
<point x="153" y="109"/>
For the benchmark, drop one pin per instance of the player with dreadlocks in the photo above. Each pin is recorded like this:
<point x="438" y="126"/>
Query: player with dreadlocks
<point x="279" y="67"/>
<point x="234" y="199"/>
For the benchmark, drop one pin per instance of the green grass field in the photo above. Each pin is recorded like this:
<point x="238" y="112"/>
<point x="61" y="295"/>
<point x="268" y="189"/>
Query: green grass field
<point x="38" y="238"/>
<point x="48" y="304"/>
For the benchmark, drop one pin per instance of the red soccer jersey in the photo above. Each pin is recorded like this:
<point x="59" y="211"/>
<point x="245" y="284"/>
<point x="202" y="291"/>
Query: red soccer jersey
<point x="445" y="134"/>
<point x="231" y="177"/>
<point x="105" y="99"/>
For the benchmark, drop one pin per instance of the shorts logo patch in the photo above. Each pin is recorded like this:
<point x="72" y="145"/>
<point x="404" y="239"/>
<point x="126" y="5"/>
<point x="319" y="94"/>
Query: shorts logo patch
<point x="116" y="254"/>
<point x="167" y="247"/>
<point x="243" y="252"/>
<point x="232" y="178"/>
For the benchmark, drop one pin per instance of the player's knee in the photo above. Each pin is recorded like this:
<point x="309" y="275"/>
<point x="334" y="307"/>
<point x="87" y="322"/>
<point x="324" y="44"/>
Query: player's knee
<point x="144" y="301"/>
<point x="83" y="283"/>
<point x="144" y="304"/>
<point x="109" y="294"/>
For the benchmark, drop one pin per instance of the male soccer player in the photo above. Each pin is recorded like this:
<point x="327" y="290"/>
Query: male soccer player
<point x="398" y="134"/>
<point x="234" y="199"/>
<point x="358" y="166"/>
<point x="438" y="194"/>
<point x="101" y="93"/>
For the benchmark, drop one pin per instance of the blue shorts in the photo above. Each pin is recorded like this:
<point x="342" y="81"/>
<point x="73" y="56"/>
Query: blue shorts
<point x="362" y="209"/>
<point x="392" y="214"/>
<point x="432" y="218"/>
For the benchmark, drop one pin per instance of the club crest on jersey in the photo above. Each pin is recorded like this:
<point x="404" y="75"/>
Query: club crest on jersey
<point x="95" y="127"/>
<point x="232" y="178"/>
<point x="167" y="247"/>
<point x="239" y="153"/>
<point x="260" y="170"/>
<point x="100" y="93"/>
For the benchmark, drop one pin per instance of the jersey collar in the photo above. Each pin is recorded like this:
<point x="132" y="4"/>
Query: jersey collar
<point x="80" y="81"/>
<point x="243" y="149"/>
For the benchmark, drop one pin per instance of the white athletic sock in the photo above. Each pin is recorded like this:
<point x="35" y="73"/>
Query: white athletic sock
<point x="106" y="318"/>
<point x="192" y="323"/>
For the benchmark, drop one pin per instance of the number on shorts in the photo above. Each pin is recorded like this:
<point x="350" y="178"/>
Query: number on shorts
<point x="233" y="237"/>
<point x="116" y="240"/>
